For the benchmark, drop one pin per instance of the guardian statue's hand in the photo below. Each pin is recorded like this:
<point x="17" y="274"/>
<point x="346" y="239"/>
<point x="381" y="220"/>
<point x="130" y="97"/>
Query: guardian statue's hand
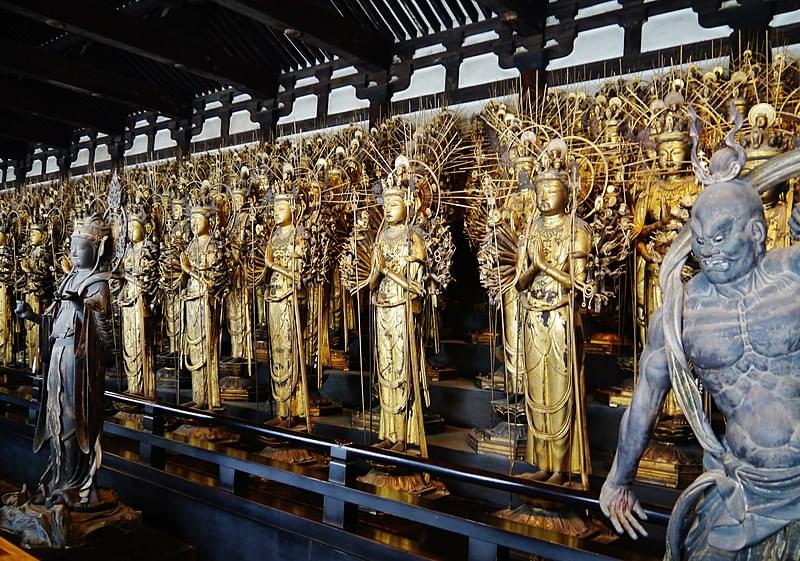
<point x="619" y="503"/>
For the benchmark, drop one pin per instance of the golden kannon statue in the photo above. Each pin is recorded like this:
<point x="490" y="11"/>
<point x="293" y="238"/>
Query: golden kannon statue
<point x="762" y="143"/>
<point x="238" y="305"/>
<point x="172" y="245"/>
<point x="552" y="262"/>
<point x="7" y="265"/>
<point x="139" y="280"/>
<point x="35" y="266"/>
<point x="662" y="203"/>
<point x="285" y="299"/>
<point x="396" y="283"/>
<point x="203" y="265"/>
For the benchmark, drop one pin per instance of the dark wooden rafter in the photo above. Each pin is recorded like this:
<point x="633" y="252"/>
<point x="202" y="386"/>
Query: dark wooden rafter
<point x="320" y="26"/>
<point x="24" y="127"/>
<point x="527" y="17"/>
<point x="13" y="150"/>
<point x="152" y="39"/>
<point x="44" y="66"/>
<point x="60" y="105"/>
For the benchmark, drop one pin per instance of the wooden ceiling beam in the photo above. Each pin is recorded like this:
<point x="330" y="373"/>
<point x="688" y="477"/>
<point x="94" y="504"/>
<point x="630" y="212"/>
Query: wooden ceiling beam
<point x="317" y="24"/>
<point x="24" y="127"/>
<point x="13" y="150"/>
<point x="63" y="72"/>
<point x="60" y="105"/>
<point x="527" y="17"/>
<point x="151" y="39"/>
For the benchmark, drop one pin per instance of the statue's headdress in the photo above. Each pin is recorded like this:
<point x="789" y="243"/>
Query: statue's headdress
<point x="92" y="228"/>
<point x="553" y="162"/>
<point x="727" y="162"/>
<point x="669" y="121"/>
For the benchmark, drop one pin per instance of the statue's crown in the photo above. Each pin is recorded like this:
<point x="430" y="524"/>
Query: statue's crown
<point x="92" y="228"/>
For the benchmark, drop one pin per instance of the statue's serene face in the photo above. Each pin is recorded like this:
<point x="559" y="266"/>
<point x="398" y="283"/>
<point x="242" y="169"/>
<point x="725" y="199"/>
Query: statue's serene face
<point x="394" y="209"/>
<point x="135" y="231"/>
<point x="726" y="240"/>
<point x="81" y="253"/>
<point x="199" y="224"/>
<point x="282" y="212"/>
<point x="672" y="155"/>
<point x="237" y="200"/>
<point x="37" y="236"/>
<point x="177" y="211"/>
<point x="551" y="197"/>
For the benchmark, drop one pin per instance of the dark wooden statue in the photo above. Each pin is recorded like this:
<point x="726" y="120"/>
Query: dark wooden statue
<point x="77" y="340"/>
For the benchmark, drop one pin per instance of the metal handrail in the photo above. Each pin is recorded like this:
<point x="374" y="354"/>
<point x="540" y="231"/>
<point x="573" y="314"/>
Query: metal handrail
<point x="339" y="496"/>
<point x="343" y="448"/>
<point x="476" y="476"/>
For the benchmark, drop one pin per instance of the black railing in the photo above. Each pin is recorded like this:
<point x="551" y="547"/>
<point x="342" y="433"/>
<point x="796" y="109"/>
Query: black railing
<point x="488" y="536"/>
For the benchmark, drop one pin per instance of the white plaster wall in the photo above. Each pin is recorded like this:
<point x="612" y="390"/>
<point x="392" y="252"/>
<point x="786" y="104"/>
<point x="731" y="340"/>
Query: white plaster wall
<point x="597" y="9"/>
<point x="81" y="160"/>
<point x="482" y="69"/>
<point x="430" y="50"/>
<point x="593" y="45"/>
<point x="240" y="122"/>
<point x="481" y="38"/>
<point x="36" y="169"/>
<point x="211" y="129"/>
<point x="163" y="139"/>
<point x="342" y="72"/>
<point x="101" y="154"/>
<point x="304" y="107"/>
<point x="344" y="99"/>
<point x="677" y="28"/>
<point x="425" y="81"/>
<point x="139" y="146"/>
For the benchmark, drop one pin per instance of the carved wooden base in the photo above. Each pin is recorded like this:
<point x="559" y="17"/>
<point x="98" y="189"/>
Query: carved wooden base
<point x="670" y="465"/>
<point x="556" y="518"/>
<point x="414" y="483"/>
<point x="292" y="455"/>
<point x="58" y="526"/>
<point x="215" y="435"/>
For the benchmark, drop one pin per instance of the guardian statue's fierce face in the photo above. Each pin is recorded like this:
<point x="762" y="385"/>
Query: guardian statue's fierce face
<point x="728" y="231"/>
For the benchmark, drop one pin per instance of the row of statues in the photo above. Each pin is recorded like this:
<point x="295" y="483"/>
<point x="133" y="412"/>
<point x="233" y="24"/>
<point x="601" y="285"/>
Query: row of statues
<point x="563" y="196"/>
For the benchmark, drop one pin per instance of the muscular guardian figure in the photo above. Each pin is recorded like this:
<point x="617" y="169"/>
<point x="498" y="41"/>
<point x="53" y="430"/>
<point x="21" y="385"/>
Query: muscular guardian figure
<point x="737" y="322"/>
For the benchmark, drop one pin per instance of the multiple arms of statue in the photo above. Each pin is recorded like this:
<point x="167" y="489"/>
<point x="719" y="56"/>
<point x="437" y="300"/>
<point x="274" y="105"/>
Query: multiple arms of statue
<point x="269" y="263"/>
<point x="616" y="497"/>
<point x="414" y="262"/>
<point x="526" y="273"/>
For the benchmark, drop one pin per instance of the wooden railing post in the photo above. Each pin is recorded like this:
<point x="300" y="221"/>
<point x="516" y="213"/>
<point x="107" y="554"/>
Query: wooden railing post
<point x="337" y="512"/>
<point x="155" y="456"/>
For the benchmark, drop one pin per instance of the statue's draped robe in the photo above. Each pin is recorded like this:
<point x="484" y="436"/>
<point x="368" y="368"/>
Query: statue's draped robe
<point x="201" y="323"/>
<point x="283" y="305"/>
<point x="552" y="360"/>
<point x="77" y="336"/>
<point x="137" y="347"/>
<point x="396" y="323"/>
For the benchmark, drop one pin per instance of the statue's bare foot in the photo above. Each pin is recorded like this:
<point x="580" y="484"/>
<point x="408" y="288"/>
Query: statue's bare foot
<point x="556" y="479"/>
<point x="384" y="444"/>
<point x="536" y="476"/>
<point x="279" y="422"/>
<point x="399" y="447"/>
